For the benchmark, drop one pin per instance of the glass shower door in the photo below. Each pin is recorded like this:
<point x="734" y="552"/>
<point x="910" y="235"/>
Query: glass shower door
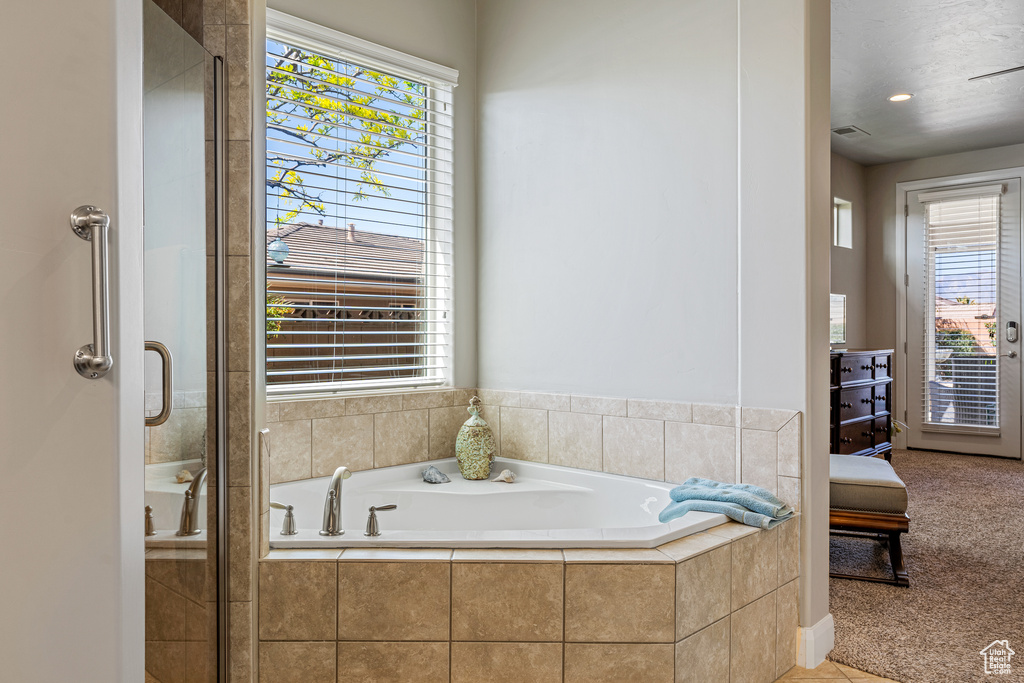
<point x="181" y="426"/>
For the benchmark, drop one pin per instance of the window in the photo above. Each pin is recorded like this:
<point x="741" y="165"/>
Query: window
<point x="359" y="213"/>
<point x="842" y="223"/>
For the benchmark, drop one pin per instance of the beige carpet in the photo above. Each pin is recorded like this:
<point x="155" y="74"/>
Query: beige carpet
<point x="965" y="557"/>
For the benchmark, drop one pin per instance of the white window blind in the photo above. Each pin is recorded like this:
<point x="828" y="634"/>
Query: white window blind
<point x="961" y="303"/>
<point x="359" y="213"/>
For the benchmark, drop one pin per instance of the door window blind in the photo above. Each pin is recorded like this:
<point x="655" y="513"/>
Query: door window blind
<point x="961" y="350"/>
<point x="359" y="220"/>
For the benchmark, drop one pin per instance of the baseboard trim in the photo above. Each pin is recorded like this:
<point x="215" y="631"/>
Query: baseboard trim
<point x="816" y="642"/>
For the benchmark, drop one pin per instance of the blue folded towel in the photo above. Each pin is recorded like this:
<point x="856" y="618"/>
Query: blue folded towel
<point x="744" y="503"/>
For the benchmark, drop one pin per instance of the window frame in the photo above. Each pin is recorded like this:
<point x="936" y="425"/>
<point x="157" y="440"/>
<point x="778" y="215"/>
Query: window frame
<point x="441" y="82"/>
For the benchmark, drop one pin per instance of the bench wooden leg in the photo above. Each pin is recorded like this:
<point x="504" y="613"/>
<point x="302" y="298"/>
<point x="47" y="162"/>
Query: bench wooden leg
<point x="896" y="559"/>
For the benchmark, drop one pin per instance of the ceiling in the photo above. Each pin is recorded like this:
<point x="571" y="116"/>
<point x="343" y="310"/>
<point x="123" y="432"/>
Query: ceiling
<point x="929" y="48"/>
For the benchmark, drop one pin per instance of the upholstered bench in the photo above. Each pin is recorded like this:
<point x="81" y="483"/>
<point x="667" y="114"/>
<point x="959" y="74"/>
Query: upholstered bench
<point x="866" y="496"/>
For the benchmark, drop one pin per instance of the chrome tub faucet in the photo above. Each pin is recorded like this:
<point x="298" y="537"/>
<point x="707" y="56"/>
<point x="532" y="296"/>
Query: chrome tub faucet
<point x="190" y="508"/>
<point x="332" y="506"/>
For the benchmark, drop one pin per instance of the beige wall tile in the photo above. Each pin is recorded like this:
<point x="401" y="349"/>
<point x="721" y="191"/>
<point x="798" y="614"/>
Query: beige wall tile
<point x="575" y="440"/>
<point x="237" y="235"/>
<point x="722" y="416"/>
<point x="236" y="12"/>
<point x="393" y="600"/>
<point x="703" y="588"/>
<point x="239" y="432"/>
<point x="524" y="434"/>
<point x="298" y="600"/>
<point x="416" y="400"/>
<point x="755" y="569"/>
<point x="789" y="550"/>
<point x="506" y="601"/>
<point x="787" y="623"/>
<point x="273" y="412"/>
<point x="634" y="447"/>
<point x="690" y="546"/>
<point x="704" y="656"/>
<point x="660" y="410"/>
<point x="789" y="491"/>
<point x="445" y="424"/>
<point x="213" y="12"/>
<point x="544" y="401"/>
<point x="383" y="403"/>
<point x="506" y="662"/>
<point x="297" y="662"/>
<point x="307" y="410"/>
<point x="239" y="543"/>
<point x="789" y="447"/>
<point x="400" y="438"/>
<point x="240" y="654"/>
<point x="238" y="313"/>
<point x="498" y="397"/>
<point x="614" y="663"/>
<point x="392" y="662"/>
<point x="291" y="450"/>
<point x="341" y="441"/>
<point x="767" y="419"/>
<point x="752" y="642"/>
<point x="462" y="396"/>
<point x="239" y="123"/>
<point x="631" y="603"/>
<point x="598" y="405"/>
<point x="759" y="458"/>
<point x="215" y="41"/>
<point x="696" y="450"/>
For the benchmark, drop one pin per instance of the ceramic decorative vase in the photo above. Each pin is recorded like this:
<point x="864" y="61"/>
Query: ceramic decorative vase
<point x="474" y="447"/>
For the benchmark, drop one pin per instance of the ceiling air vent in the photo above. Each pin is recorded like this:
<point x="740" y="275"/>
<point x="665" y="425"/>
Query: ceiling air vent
<point x="850" y="132"/>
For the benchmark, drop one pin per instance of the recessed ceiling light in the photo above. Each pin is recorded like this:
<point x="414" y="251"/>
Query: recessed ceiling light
<point x="902" y="97"/>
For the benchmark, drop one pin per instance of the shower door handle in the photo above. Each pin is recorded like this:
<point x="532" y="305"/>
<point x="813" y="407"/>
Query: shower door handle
<point x="167" y="391"/>
<point x="92" y="361"/>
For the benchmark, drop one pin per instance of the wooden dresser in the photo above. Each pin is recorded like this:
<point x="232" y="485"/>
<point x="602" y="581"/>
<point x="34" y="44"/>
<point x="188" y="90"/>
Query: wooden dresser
<point x="861" y="401"/>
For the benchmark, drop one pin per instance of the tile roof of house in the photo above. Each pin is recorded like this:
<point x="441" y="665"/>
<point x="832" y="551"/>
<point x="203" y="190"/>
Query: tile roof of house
<point x="334" y="250"/>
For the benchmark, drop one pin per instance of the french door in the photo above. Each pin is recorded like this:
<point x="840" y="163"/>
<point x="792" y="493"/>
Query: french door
<point x="964" y="318"/>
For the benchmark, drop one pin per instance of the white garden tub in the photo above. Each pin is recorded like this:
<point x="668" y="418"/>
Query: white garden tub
<point x="547" y="507"/>
<point x="166" y="496"/>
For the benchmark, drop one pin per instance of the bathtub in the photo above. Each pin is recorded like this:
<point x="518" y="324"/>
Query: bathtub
<point x="165" y="496"/>
<point x="547" y="507"/>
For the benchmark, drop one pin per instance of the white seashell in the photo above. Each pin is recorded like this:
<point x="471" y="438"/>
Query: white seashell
<point x="432" y="475"/>
<point x="183" y="476"/>
<point x="506" y="475"/>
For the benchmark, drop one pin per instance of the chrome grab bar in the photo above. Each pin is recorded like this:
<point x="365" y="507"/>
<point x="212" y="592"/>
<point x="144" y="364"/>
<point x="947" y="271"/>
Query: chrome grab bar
<point x="94" y="360"/>
<point x="168" y="390"/>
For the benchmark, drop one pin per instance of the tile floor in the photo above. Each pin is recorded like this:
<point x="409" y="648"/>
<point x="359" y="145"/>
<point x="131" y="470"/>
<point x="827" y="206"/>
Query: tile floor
<point x="830" y="672"/>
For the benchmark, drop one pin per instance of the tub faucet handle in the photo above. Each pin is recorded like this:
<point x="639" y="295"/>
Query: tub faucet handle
<point x="150" y="531"/>
<point x="288" y="528"/>
<point x="371" y="522"/>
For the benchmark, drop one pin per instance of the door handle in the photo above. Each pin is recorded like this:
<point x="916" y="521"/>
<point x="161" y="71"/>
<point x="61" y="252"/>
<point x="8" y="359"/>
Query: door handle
<point x="92" y="361"/>
<point x="167" y="390"/>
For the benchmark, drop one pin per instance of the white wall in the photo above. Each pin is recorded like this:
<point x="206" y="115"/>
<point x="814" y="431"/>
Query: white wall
<point x="444" y="32"/>
<point x="850" y="266"/>
<point x="71" y="494"/>
<point x="645" y="209"/>
<point x="884" y="268"/>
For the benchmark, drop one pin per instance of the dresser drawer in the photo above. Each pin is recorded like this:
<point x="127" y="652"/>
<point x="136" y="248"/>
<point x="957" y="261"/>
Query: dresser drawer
<point x="856" y="402"/>
<point x="881" y="429"/>
<point x="856" y="437"/>
<point x="883" y="366"/>
<point x="881" y="399"/>
<point x="856" y="368"/>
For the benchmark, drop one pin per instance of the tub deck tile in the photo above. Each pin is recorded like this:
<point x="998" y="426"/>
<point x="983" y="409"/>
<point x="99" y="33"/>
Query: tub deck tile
<point x="507" y="555"/>
<point x="732" y="530"/>
<point x="396" y="555"/>
<point x="690" y="546"/>
<point x="616" y="556"/>
<point x="330" y="554"/>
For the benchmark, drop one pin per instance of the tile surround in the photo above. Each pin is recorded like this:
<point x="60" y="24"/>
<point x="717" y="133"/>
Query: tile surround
<point x="663" y="614"/>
